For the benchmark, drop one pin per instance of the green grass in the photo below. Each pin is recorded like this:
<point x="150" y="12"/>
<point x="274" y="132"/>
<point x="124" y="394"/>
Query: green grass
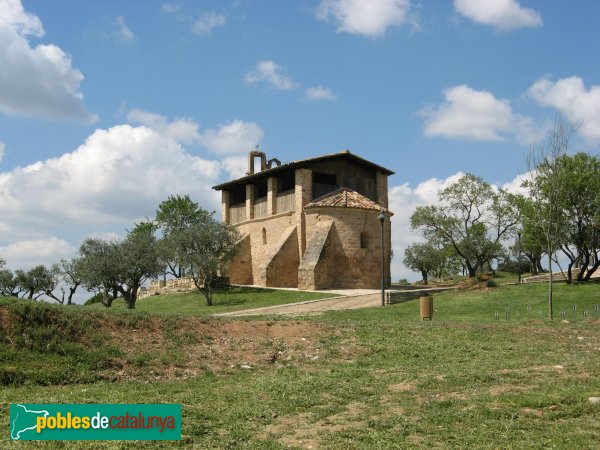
<point x="47" y="344"/>
<point x="498" y="277"/>
<point x="481" y="305"/>
<point x="384" y="379"/>
<point x="234" y="299"/>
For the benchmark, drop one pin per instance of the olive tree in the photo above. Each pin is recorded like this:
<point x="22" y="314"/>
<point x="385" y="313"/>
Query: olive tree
<point x="120" y="266"/>
<point x="8" y="284"/>
<point x="425" y="258"/>
<point x="175" y="215"/>
<point x="206" y="248"/>
<point x="70" y="274"/>
<point x="580" y="201"/>
<point x="99" y="262"/>
<point x="471" y="217"/>
<point x="36" y="281"/>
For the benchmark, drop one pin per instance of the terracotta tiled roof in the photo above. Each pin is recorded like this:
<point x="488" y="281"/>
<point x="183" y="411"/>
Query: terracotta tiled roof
<point x="345" y="198"/>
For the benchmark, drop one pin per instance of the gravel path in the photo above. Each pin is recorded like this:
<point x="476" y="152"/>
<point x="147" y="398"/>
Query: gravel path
<point x="312" y="306"/>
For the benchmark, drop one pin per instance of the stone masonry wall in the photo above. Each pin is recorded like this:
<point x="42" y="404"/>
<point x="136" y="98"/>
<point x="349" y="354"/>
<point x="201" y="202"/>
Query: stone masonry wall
<point x="281" y="266"/>
<point x="261" y="245"/>
<point x="316" y="268"/>
<point x="240" y="269"/>
<point x="353" y="267"/>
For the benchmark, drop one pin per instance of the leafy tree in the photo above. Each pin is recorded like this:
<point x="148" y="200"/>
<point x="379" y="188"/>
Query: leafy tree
<point x="99" y="268"/>
<point x="8" y="284"/>
<point x="546" y="185"/>
<point x="532" y="244"/>
<point x="425" y="258"/>
<point x="139" y="261"/>
<point x="581" y="203"/>
<point x="174" y="215"/>
<point x="206" y="248"/>
<point x="70" y="273"/>
<point x="36" y="282"/>
<point x="473" y="218"/>
<point x="54" y="279"/>
<point x="120" y="267"/>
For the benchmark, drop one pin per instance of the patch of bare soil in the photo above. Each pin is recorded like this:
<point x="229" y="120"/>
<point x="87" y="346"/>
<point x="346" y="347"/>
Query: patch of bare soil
<point x="300" y="430"/>
<point x="402" y="387"/>
<point x="5" y="321"/>
<point x="6" y="326"/>
<point x="473" y="284"/>
<point x="158" y="348"/>
<point x="507" y="388"/>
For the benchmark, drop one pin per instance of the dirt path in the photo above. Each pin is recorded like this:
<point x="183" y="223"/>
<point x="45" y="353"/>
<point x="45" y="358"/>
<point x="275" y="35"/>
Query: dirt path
<point x="312" y="306"/>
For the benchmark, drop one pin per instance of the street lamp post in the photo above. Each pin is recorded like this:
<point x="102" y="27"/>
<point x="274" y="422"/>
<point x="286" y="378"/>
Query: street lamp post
<point x="381" y="218"/>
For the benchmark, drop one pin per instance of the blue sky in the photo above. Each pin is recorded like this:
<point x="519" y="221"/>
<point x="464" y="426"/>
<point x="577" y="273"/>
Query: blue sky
<point x="106" y="108"/>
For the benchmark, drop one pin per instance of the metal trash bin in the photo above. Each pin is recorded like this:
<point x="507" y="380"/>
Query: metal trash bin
<point x="426" y="304"/>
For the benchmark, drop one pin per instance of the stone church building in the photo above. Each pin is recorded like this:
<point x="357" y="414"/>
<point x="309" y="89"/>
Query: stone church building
<point x="310" y="224"/>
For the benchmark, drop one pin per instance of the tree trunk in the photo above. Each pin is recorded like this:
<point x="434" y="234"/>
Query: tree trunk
<point x="591" y="271"/>
<point x="424" y="275"/>
<point x="472" y="271"/>
<point x="108" y="299"/>
<point x="584" y="266"/>
<point x="208" y="290"/>
<point x="130" y="295"/>
<point x="550" y="312"/>
<point x="570" y="273"/>
<point x="72" y="290"/>
<point x="539" y="268"/>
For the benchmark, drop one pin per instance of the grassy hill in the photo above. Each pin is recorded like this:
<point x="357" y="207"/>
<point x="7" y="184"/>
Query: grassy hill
<point x="372" y="378"/>
<point x="522" y="302"/>
<point x="233" y="299"/>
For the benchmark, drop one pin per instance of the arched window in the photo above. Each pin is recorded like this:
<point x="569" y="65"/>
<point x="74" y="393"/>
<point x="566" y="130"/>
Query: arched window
<point x="264" y="234"/>
<point x="364" y="239"/>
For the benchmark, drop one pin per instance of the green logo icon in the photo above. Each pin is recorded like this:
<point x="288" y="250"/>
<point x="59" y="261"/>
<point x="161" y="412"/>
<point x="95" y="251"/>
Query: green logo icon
<point x="95" y="422"/>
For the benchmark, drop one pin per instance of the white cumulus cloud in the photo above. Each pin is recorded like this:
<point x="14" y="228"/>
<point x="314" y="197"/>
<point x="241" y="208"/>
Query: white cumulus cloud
<point x="207" y="22"/>
<point x="236" y="136"/>
<point x="235" y="166"/>
<point x="478" y="115"/>
<point x="501" y="14"/>
<point x="117" y="176"/>
<point x="182" y="129"/>
<point x="368" y="18"/>
<point x="569" y="96"/>
<point x="515" y="186"/>
<point x="319" y="93"/>
<point x="272" y="74"/>
<point x="28" y="253"/>
<point x="36" y="81"/>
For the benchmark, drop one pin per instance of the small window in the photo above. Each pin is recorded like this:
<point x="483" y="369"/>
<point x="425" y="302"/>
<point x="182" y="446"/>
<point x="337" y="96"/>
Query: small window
<point x="237" y="195"/>
<point x="260" y="189"/>
<point x="364" y="239"/>
<point x="286" y="182"/>
<point x="324" y="178"/>
<point x="323" y="183"/>
<point x="264" y="236"/>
